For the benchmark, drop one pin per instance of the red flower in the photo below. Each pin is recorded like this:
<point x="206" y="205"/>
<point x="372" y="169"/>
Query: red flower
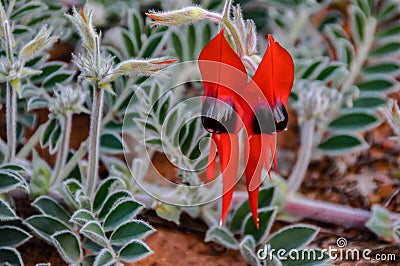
<point x="229" y="102"/>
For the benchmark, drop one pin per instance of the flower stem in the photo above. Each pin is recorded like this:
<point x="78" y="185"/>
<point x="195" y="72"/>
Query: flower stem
<point x="33" y="140"/>
<point x="11" y="117"/>
<point x="94" y="139"/>
<point x="63" y="152"/>
<point x="299" y="170"/>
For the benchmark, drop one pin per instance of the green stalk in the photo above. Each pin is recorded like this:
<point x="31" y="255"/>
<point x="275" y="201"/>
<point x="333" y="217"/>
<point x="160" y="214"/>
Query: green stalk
<point x="63" y="151"/>
<point x="11" y="121"/>
<point x="303" y="160"/>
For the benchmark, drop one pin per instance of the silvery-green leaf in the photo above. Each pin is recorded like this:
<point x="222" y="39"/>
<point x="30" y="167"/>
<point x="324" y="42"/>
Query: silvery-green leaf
<point x="104" y="258"/>
<point x="106" y="187"/>
<point x="49" y="206"/>
<point x="111" y="201"/>
<point x="380" y="221"/>
<point x="45" y="226"/>
<point x="222" y="237"/>
<point x="10" y="256"/>
<point x="81" y="217"/>
<point x="94" y="232"/>
<point x="168" y="212"/>
<point x="266" y="218"/>
<point x="121" y="213"/>
<point x="12" y="236"/>
<point x="134" y="251"/>
<point x="247" y="249"/>
<point x="130" y="230"/>
<point x="68" y="245"/>
<point x="6" y="212"/>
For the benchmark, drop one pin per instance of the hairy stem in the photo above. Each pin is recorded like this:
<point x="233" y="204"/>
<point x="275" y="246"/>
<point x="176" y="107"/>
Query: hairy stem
<point x="94" y="139"/>
<point x="79" y="154"/>
<point x="303" y="160"/>
<point x="235" y="35"/>
<point x="63" y="151"/>
<point x="11" y="117"/>
<point x="33" y="140"/>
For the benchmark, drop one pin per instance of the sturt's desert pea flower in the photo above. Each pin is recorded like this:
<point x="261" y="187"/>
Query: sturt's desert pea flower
<point x="231" y="102"/>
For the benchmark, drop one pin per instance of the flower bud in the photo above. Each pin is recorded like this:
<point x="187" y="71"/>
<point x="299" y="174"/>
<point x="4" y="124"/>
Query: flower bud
<point x="182" y="16"/>
<point x="251" y="38"/>
<point x="143" y="67"/>
<point x="39" y="43"/>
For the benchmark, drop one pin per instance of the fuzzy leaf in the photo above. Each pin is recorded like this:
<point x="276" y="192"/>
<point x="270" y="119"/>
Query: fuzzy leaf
<point x="94" y="232"/>
<point x="48" y="69"/>
<point x="354" y="122"/>
<point x="293" y="237"/>
<point x="111" y="143"/>
<point x="50" y="207"/>
<point x="264" y="199"/>
<point x="68" y="246"/>
<point x="267" y="217"/>
<point x="57" y="77"/>
<point x="341" y="144"/>
<point x="111" y="201"/>
<point x="12" y="236"/>
<point x="130" y="230"/>
<point x="134" y="251"/>
<point x="222" y="237"/>
<point x="81" y="217"/>
<point x="247" y="248"/>
<point x="168" y="212"/>
<point x="45" y="226"/>
<point x="13" y="167"/>
<point x="121" y="213"/>
<point x="10" y="256"/>
<point x="383" y="84"/>
<point x="9" y="181"/>
<point x="104" y="258"/>
<point x="107" y="186"/>
<point x="380" y="221"/>
<point x="368" y="102"/>
<point x="6" y="212"/>
<point x="29" y="7"/>
<point x="51" y="126"/>
<point x="386" y="49"/>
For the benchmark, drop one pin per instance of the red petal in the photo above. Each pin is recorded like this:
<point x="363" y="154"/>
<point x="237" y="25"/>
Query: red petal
<point x="212" y="158"/>
<point x="253" y="172"/>
<point x="275" y="73"/>
<point x="228" y="150"/>
<point x="222" y="71"/>
<point x="269" y="147"/>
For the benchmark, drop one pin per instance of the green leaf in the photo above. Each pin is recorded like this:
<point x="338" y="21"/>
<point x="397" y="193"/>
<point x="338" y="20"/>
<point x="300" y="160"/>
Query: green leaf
<point x="293" y="237"/>
<point x="134" y="251"/>
<point x="50" y="207"/>
<point x="151" y="45"/>
<point x="29" y="7"/>
<point x="128" y="44"/>
<point x="389" y="31"/>
<point x="358" y="23"/>
<point x="39" y="183"/>
<point x="58" y="77"/>
<point x="68" y="246"/>
<point x="107" y="186"/>
<point x="45" y="226"/>
<point x="13" y="167"/>
<point x="191" y="33"/>
<point x="396" y="233"/>
<point x="382" y="68"/>
<point x="247" y="248"/>
<point x="386" y="49"/>
<point x="81" y="217"/>
<point x="377" y="85"/>
<point x="111" y="201"/>
<point x="111" y="143"/>
<point x="354" y="122"/>
<point x="342" y="144"/>
<point x="368" y="102"/>
<point x="104" y="258"/>
<point x="51" y="126"/>
<point x="168" y="212"/>
<point x="266" y="217"/>
<point x="48" y="69"/>
<point x="380" y="221"/>
<point x="9" y="181"/>
<point x="121" y="213"/>
<point x="10" y="256"/>
<point x="55" y="139"/>
<point x="177" y="44"/>
<point x="12" y="236"/>
<point x="6" y="212"/>
<point x="265" y="197"/>
<point x="222" y="237"/>
<point x="94" y="232"/>
<point x="130" y="230"/>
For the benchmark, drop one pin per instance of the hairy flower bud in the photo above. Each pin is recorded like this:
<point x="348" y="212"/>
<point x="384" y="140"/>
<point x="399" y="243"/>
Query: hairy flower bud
<point x="143" y="67"/>
<point x="85" y="28"/>
<point x="392" y="114"/>
<point x="68" y="100"/>
<point x="42" y="41"/>
<point x="182" y="16"/>
<point x="251" y="38"/>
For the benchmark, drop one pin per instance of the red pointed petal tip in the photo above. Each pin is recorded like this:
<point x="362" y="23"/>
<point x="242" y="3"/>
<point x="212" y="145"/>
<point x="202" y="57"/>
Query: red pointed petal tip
<point x="253" y="171"/>
<point x="228" y="150"/>
<point x="270" y="150"/>
<point x="212" y="157"/>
